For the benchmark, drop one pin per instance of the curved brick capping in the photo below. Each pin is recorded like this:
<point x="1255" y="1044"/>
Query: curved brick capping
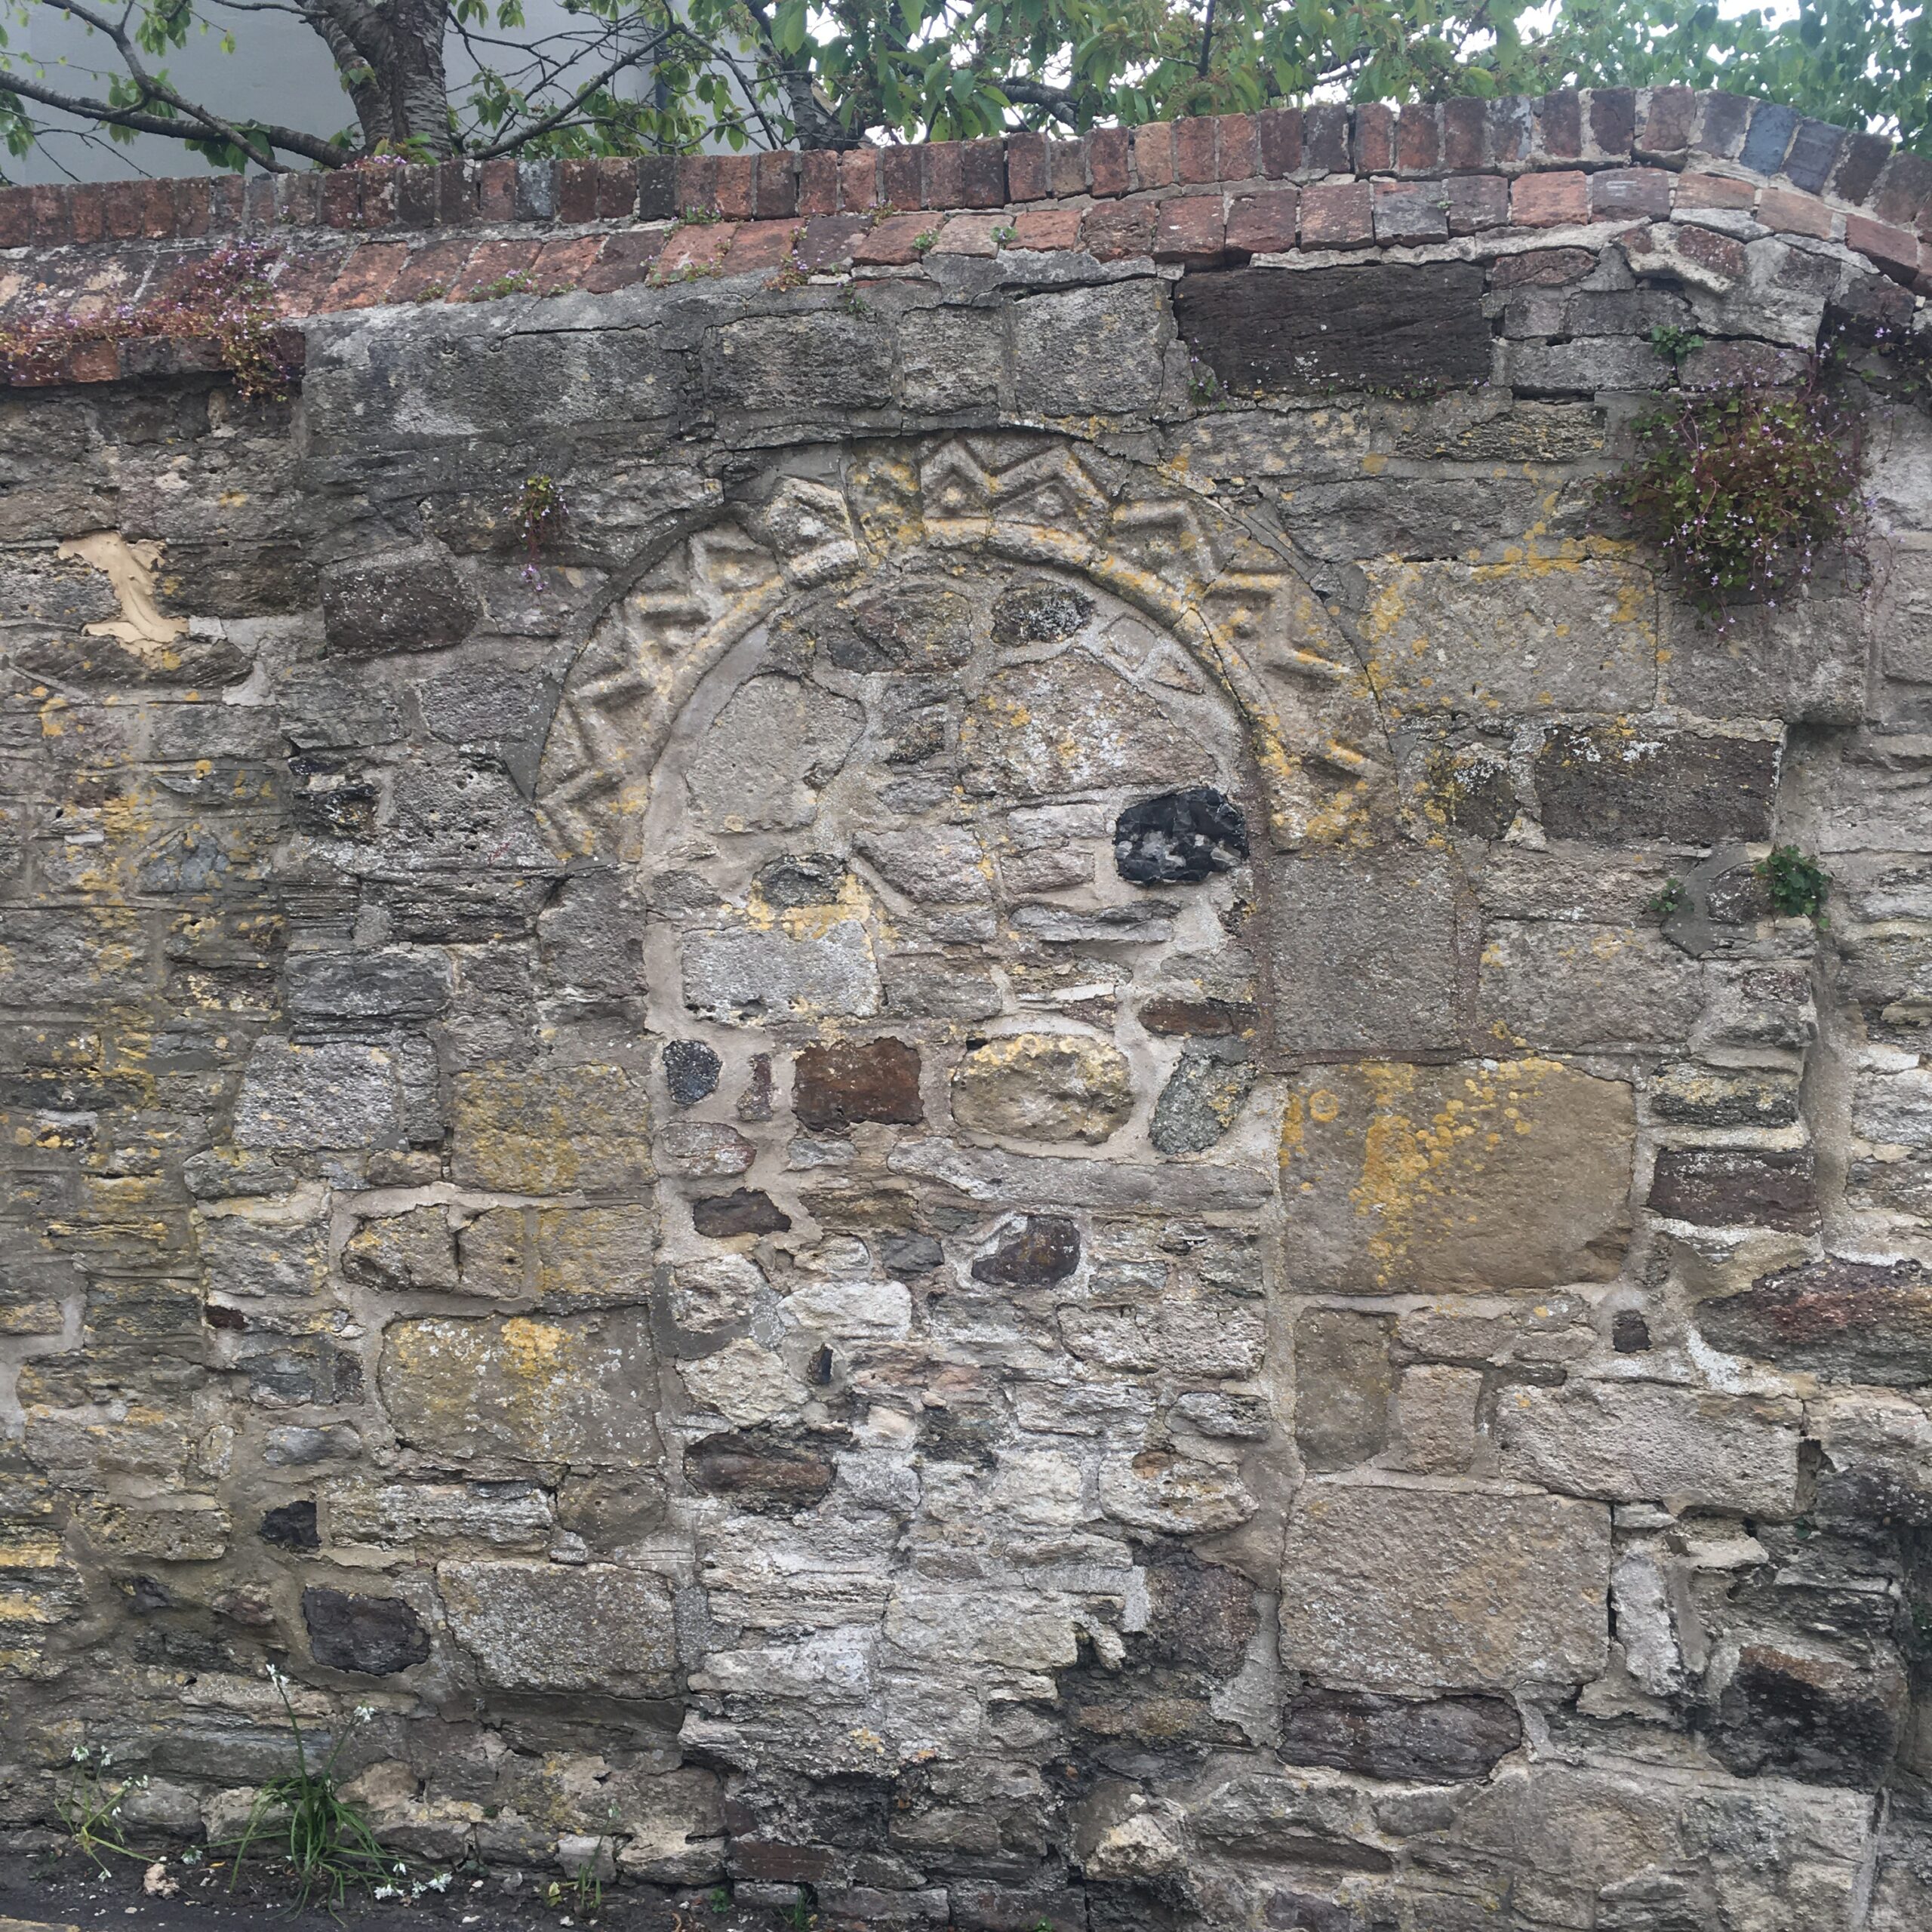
<point x="962" y="1166"/>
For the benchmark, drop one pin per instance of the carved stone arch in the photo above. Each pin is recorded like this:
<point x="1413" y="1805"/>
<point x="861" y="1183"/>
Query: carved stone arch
<point x="1253" y="623"/>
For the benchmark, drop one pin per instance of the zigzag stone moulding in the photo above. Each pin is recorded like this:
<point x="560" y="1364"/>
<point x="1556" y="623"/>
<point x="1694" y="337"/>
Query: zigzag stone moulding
<point x="1037" y="1146"/>
<point x="1252" y="624"/>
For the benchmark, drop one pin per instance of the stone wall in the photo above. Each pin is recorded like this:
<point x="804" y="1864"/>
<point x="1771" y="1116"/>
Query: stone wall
<point x="961" y="1165"/>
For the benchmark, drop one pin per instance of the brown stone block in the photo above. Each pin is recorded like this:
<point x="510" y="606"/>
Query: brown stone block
<point x="1402" y="1589"/>
<point x="1469" y="1178"/>
<point x="1895" y="250"/>
<point x="834" y="1086"/>
<point x="1721" y="1187"/>
<point x="892" y="244"/>
<point x="619" y="183"/>
<point x="1373" y="148"/>
<point x="1843" y="1321"/>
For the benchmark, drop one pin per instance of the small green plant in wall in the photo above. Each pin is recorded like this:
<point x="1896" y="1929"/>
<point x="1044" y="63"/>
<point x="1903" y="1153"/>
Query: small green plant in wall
<point x="538" y="513"/>
<point x="1796" y="882"/>
<point x="1741" y="491"/>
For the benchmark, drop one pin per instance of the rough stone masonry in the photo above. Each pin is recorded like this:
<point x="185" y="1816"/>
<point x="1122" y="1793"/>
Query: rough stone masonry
<point x="960" y="1166"/>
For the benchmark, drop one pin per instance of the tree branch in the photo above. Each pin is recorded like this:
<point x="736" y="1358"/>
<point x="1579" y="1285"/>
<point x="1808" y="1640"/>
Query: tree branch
<point x="518" y="136"/>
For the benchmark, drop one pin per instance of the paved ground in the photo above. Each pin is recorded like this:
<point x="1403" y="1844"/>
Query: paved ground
<point x="65" y="1895"/>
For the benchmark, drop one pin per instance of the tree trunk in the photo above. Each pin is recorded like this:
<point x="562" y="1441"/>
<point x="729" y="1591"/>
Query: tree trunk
<point x="391" y="59"/>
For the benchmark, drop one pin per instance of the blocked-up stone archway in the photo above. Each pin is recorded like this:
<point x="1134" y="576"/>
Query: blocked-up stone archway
<point x="940" y="852"/>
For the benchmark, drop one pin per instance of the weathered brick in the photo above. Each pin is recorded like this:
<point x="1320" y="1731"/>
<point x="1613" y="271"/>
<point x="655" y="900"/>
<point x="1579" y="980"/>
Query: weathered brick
<point x="1903" y="188"/>
<point x="818" y="182"/>
<point x="984" y="168"/>
<point x="900" y="178"/>
<point x="1325" y="129"/>
<point x="1372" y="150"/>
<point x="1237" y="148"/>
<point x="1560" y="125"/>
<point x="858" y="179"/>
<point x="1477" y="202"/>
<point x="1027" y="167"/>
<point x="1154" y="155"/>
<point x="943" y="183"/>
<point x="1409" y="212"/>
<point x="1722" y="121"/>
<point x="1419" y="139"/>
<point x="1896" y="250"/>
<point x="1859" y="165"/>
<point x="1194" y="151"/>
<point x="1191" y="228"/>
<point x="576" y="190"/>
<point x="1279" y="132"/>
<point x="1066" y="162"/>
<point x="1793" y="214"/>
<point x="1812" y="154"/>
<point x="1108" y="156"/>
<point x="1263" y="223"/>
<point x="1548" y="200"/>
<point x="1613" y="121"/>
<point x="1765" y="145"/>
<point x="1618" y="193"/>
<point x="1337" y="214"/>
<point x="1696" y="190"/>
<point x="1048" y="228"/>
<point x="1463" y="122"/>
<point x="1126" y="228"/>
<point x="735" y="192"/>
<point x="496" y="191"/>
<point x="1667" y="123"/>
<point x="776" y="191"/>
<point x="828" y="240"/>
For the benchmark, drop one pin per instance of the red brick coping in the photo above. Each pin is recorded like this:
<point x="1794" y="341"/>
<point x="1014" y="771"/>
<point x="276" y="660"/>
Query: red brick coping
<point x="1199" y="193"/>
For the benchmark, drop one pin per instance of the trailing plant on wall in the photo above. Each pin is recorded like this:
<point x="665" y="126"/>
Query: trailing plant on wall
<point x="226" y="300"/>
<point x="538" y="512"/>
<point x="1742" y="490"/>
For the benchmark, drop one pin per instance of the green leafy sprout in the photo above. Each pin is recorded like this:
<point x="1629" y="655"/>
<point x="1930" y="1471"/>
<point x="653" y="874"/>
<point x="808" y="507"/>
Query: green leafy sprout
<point x="1797" y="885"/>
